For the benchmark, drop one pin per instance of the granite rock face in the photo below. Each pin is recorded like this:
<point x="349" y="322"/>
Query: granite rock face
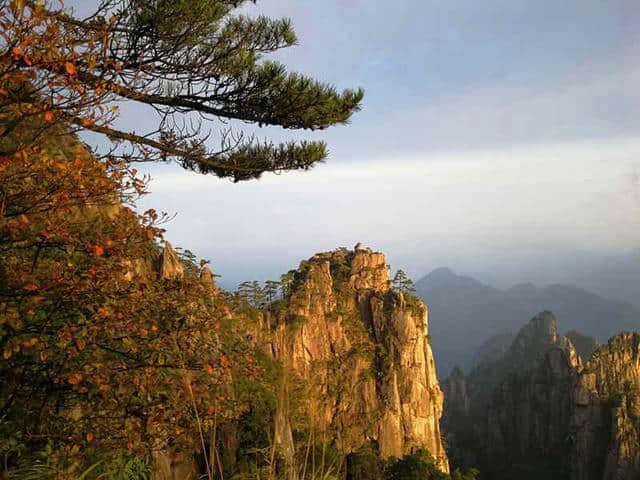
<point x="537" y="412"/>
<point x="168" y="263"/>
<point x="528" y="417"/>
<point x="605" y="422"/>
<point x="364" y="351"/>
<point x="455" y="390"/>
<point x="585" y="345"/>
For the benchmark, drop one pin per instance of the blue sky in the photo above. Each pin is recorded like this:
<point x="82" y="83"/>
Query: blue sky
<point x="500" y="138"/>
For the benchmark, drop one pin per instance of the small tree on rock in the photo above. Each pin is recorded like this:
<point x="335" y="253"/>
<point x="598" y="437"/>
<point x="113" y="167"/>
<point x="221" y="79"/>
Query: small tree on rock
<point x="271" y="288"/>
<point x="402" y="283"/>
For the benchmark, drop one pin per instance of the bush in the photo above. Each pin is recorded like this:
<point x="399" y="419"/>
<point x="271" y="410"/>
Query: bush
<point x="415" y="466"/>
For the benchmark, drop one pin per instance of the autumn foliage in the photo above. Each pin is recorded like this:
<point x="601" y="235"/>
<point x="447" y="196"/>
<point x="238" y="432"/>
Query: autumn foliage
<point x="97" y="352"/>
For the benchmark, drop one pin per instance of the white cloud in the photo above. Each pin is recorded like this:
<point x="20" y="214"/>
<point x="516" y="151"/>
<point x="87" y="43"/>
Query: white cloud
<point x="456" y="206"/>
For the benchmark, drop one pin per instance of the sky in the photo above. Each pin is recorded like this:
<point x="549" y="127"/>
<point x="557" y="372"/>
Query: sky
<point x="499" y="138"/>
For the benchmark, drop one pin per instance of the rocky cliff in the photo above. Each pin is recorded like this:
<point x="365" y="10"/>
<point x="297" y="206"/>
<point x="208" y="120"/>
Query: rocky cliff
<point x="528" y="415"/>
<point x="364" y="352"/>
<point x="605" y="422"/>
<point x="538" y="413"/>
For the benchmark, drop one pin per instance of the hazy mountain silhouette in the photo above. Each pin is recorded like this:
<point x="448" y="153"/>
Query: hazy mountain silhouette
<point x="614" y="277"/>
<point x="464" y="313"/>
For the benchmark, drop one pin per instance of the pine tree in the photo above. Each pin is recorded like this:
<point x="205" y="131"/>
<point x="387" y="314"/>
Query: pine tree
<point x="271" y="288"/>
<point x="243" y="293"/>
<point x="403" y="283"/>
<point x="258" y="297"/>
<point x="286" y="281"/>
<point x="178" y="57"/>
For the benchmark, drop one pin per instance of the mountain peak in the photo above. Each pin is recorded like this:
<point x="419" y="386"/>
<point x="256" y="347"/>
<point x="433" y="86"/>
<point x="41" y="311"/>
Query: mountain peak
<point x="445" y="277"/>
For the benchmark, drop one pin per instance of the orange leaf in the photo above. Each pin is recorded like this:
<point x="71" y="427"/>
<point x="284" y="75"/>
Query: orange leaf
<point x="17" y="52"/>
<point x="48" y="117"/>
<point x="224" y="360"/>
<point x="81" y="344"/>
<point x="99" y="251"/>
<point x="70" y="68"/>
<point x="31" y="287"/>
<point x="75" y="379"/>
<point x="103" y="311"/>
<point x="89" y="437"/>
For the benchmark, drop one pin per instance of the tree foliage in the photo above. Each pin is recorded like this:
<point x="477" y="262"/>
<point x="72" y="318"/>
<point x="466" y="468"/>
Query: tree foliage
<point x="97" y="352"/>
<point x="109" y="355"/>
<point x="194" y="62"/>
<point x="402" y="282"/>
<point x="420" y="465"/>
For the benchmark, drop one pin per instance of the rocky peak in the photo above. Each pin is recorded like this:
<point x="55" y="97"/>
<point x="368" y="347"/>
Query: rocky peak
<point x="168" y="264"/>
<point x="455" y="390"/>
<point x="207" y="279"/>
<point x="444" y="277"/>
<point x="364" y="351"/>
<point x="362" y="269"/>
<point x="605" y="425"/>
<point x="533" y="341"/>
<point x="585" y="345"/>
<point x="538" y="413"/>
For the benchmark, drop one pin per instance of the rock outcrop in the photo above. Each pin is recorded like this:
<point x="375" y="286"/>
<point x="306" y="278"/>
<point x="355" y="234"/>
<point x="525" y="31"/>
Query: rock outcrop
<point x="528" y="417"/>
<point x="585" y="345"/>
<point x="456" y="419"/>
<point x="605" y="422"/>
<point x="168" y="264"/>
<point x="364" y="351"/>
<point x="537" y="412"/>
<point x="455" y="391"/>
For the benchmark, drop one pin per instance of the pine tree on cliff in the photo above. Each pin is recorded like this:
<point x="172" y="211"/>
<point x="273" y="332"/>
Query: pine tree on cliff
<point x="243" y="293"/>
<point x="271" y="288"/>
<point x="258" y="297"/>
<point x="286" y="280"/>
<point x="191" y="61"/>
<point x="402" y="282"/>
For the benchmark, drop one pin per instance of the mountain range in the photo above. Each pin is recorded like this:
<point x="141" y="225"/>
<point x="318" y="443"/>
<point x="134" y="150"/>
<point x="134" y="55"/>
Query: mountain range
<point x="465" y="313"/>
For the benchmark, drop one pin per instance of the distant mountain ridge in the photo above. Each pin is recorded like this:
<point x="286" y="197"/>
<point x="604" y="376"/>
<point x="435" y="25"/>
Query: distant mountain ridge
<point x="464" y="313"/>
